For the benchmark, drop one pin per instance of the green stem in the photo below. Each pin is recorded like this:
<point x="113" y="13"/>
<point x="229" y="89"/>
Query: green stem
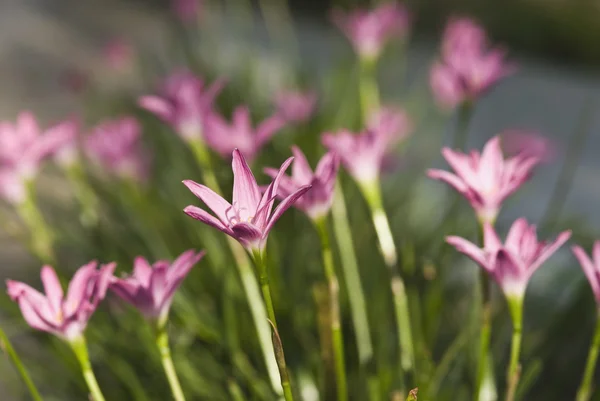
<point x="461" y="134"/>
<point x="84" y="195"/>
<point x="585" y="389"/>
<point x="514" y="368"/>
<point x="247" y="276"/>
<point x="79" y="346"/>
<point x="42" y="238"/>
<point x="162" y="342"/>
<point x="367" y="87"/>
<point x="336" y="331"/>
<point x="6" y="346"/>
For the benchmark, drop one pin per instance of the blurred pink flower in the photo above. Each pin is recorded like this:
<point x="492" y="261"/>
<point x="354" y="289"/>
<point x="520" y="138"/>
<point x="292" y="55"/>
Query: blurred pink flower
<point x="369" y="30"/>
<point x="23" y="148"/>
<point x="187" y="10"/>
<point x="118" y="54"/>
<point x="248" y="218"/>
<point x="316" y="202"/>
<point x="392" y="122"/>
<point x="67" y="317"/>
<point x="467" y="67"/>
<point x="513" y="263"/>
<point x="183" y="103"/>
<point x="528" y="144"/>
<point x="485" y="179"/>
<point x="223" y="137"/>
<point x="115" y="146"/>
<point x="296" y="107"/>
<point x="591" y="267"/>
<point x="151" y="288"/>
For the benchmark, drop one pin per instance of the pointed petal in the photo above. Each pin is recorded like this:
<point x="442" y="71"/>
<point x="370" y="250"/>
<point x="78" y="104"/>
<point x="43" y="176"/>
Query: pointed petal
<point x="126" y="289"/>
<point x="268" y="128"/>
<point x="246" y="195"/>
<point x="205" y="217"/>
<point x="550" y="249"/>
<point x="464" y="166"/>
<point x="266" y="203"/>
<point x="103" y="279"/>
<point x="596" y="254"/>
<point x="286" y="186"/>
<point x="157" y="106"/>
<point x="31" y="314"/>
<point x="470" y="250"/>
<point x="177" y="273"/>
<point x="158" y="284"/>
<point x="490" y="239"/>
<point x="328" y="167"/>
<point x="590" y="269"/>
<point x="142" y="271"/>
<point x="53" y="289"/>
<point x="79" y="287"/>
<point x="34" y="305"/>
<point x="282" y="207"/>
<point x="453" y="180"/>
<point x="301" y="171"/>
<point x="515" y="235"/>
<point x="214" y="201"/>
<point x="492" y="162"/>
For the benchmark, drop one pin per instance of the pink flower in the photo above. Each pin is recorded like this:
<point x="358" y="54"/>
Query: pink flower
<point x="223" y="137"/>
<point x="528" y="144"/>
<point x="151" y="287"/>
<point x="118" y="54"/>
<point x="115" y="146"/>
<point x="513" y="263"/>
<point x="591" y="267"/>
<point x="296" y="107"/>
<point x="390" y="122"/>
<point x="23" y="148"/>
<point x="485" y="179"/>
<point x="67" y="317"/>
<point x="316" y="202"/>
<point x="467" y="67"/>
<point x="183" y="103"/>
<point x="187" y="10"/>
<point x="248" y="218"/>
<point x="368" y="31"/>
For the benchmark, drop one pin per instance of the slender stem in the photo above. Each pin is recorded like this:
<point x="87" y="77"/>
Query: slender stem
<point x="463" y="117"/>
<point x="84" y="195"/>
<point x="372" y="194"/>
<point x="367" y="86"/>
<point x="247" y="276"/>
<point x="261" y="266"/>
<point x="162" y="342"/>
<point x="6" y="346"/>
<point x="42" y="238"/>
<point x="516" y="312"/>
<point x="336" y="331"/>
<point x="585" y="389"/>
<point x="79" y="346"/>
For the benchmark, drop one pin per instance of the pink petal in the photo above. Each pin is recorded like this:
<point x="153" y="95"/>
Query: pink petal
<point x="268" y="128"/>
<point x="158" y="106"/>
<point x="492" y="162"/>
<point x="589" y="268"/>
<point x="450" y="179"/>
<point x="266" y="203"/>
<point x="510" y="273"/>
<point x="248" y="234"/>
<point x="32" y="316"/>
<point x="126" y="289"/>
<point x="142" y="271"/>
<point x="53" y="289"/>
<point x="470" y="250"/>
<point x="550" y="249"/>
<point x="515" y="235"/>
<point x="462" y="166"/>
<point x="490" y="239"/>
<point x="596" y="254"/>
<point x="301" y="171"/>
<point x="103" y="279"/>
<point x="282" y="207"/>
<point x="203" y="216"/>
<point x="214" y="201"/>
<point x="158" y="284"/>
<point x="246" y="195"/>
<point x="78" y="287"/>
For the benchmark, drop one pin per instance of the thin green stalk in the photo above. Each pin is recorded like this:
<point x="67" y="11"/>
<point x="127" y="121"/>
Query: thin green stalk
<point x="367" y="86"/>
<point x="280" y="25"/>
<point x="585" y="389"/>
<point x="336" y="331"/>
<point x="514" y="368"/>
<point x="79" y="346"/>
<point x="372" y="194"/>
<point x="463" y="118"/>
<point x="84" y="195"/>
<point x="162" y="342"/>
<point x="6" y="346"/>
<point x="247" y="276"/>
<point x="42" y="238"/>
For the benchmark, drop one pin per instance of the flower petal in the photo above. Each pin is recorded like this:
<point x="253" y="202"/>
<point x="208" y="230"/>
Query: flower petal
<point x="79" y="286"/>
<point x="510" y="273"/>
<point x="491" y="242"/>
<point x="515" y="235"/>
<point x="246" y="195"/>
<point x="301" y="171"/>
<point x="469" y="249"/>
<point x="158" y="106"/>
<point x="214" y="201"/>
<point x="53" y="289"/>
<point x="590" y="269"/>
<point x="266" y="203"/>
<point x="453" y="180"/>
<point x="550" y="249"/>
<point x="142" y="271"/>
<point x="282" y="207"/>
<point x="205" y="217"/>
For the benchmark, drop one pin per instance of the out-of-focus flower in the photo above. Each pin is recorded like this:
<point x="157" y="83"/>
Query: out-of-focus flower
<point x="115" y="146"/>
<point x="391" y="122"/>
<point x="67" y="317"/>
<point x="183" y="103"/>
<point x="316" y="202"/>
<point x="23" y="148"/>
<point x="248" y="218"/>
<point x="528" y="144"/>
<point x="296" y="107"/>
<point x="66" y="155"/>
<point x="591" y="267"/>
<point x="223" y="137"/>
<point x="369" y="31"/>
<point x="513" y="263"/>
<point x="187" y="10"/>
<point x="118" y="54"/>
<point x="485" y="179"/>
<point x="151" y="288"/>
<point x="467" y="67"/>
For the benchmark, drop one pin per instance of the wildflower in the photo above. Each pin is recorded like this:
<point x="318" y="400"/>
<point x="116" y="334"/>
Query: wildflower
<point x="296" y="107"/>
<point x="485" y="179"/>
<point x="513" y="263"/>
<point x="248" y="218"/>
<point x="528" y="144"/>
<point x="67" y="317"/>
<point x="316" y="202"/>
<point x="151" y="287"/>
<point x="390" y="122"/>
<point x="590" y="266"/>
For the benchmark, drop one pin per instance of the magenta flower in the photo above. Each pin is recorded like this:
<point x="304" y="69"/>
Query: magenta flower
<point x="390" y="122"/>
<point x="183" y="103"/>
<point x="67" y="317"/>
<point x="485" y="179"/>
<point x="368" y="31"/>
<point x="23" y="148"/>
<point x="467" y="67"/>
<point x="296" y="107"/>
<point x="187" y="10"/>
<point x="248" y="218"/>
<point x="151" y="287"/>
<point x="513" y="263"/>
<point x="528" y="144"/>
<point x="224" y="137"/>
<point x="115" y="146"/>
<point x="591" y="267"/>
<point x="316" y="202"/>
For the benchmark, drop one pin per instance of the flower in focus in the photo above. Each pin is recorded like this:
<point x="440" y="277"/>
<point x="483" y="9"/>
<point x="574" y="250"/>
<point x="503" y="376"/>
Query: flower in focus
<point x="118" y="54"/>
<point x="67" y="317"/>
<point x="316" y="202"/>
<point x="183" y="103"/>
<point x="591" y="267"/>
<point x="223" y="137"/>
<point x="187" y="10"/>
<point x="513" y="263"/>
<point x="485" y="179"/>
<point x="248" y="218"/>
<point x="115" y="146"/>
<point x="467" y="67"/>
<point x="23" y="147"/>
<point x="151" y="287"/>
<point x="368" y="31"/>
<point x="296" y="107"/>
<point x="528" y="144"/>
